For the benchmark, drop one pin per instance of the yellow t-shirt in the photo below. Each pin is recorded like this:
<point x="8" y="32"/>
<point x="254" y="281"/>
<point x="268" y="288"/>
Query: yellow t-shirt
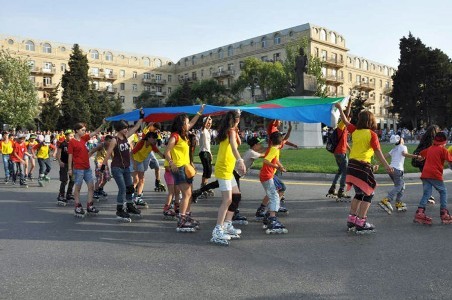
<point x="364" y="141"/>
<point x="43" y="152"/>
<point x="180" y="152"/>
<point x="141" y="155"/>
<point x="100" y="155"/>
<point x="224" y="166"/>
<point x="450" y="150"/>
<point x="7" y="147"/>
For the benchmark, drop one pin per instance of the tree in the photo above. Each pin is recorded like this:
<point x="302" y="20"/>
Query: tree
<point x="421" y="85"/>
<point x="50" y="111"/>
<point x="146" y="99"/>
<point x="115" y="105"/>
<point x="76" y="90"/>
<point x="18" y="97"/>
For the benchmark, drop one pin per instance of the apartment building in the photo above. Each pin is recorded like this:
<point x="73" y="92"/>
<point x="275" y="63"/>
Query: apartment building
<point x="128" y="75"/>
<point x="345" y="73"/>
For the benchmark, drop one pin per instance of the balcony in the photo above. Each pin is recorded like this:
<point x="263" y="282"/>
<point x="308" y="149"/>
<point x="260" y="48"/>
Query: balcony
<point x="333" y="62"/>
<point x="187" y="79"/>
<point x="154" y="81"/>
<point x="45" y="86"/>
<point x="387" y="104"/>
<point x="103" y="76"/>
<point x="334" y="79"/>
<point x="221" y="74"/>
<point x="387" y="90"/>
<point x="364" y="86"/>
<point x="112" y="90"/>
<point x="44" y="71"/>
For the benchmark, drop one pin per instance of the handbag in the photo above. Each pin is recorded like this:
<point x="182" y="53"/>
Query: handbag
<point x="190" y="171"/>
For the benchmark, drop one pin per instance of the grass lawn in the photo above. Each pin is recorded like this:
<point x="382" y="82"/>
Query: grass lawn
<point x="312" y="160"/>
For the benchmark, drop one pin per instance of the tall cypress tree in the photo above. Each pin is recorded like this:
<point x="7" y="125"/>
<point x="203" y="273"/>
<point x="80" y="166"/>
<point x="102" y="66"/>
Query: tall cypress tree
<point x="75" y="82"/>
<point x="50" y="112"/>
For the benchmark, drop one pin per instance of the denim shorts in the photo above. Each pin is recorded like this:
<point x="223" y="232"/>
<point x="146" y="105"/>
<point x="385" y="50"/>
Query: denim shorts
<point x="80" y="175"/>
<point x="140" y="166"/>
<point x="180" y="178"/>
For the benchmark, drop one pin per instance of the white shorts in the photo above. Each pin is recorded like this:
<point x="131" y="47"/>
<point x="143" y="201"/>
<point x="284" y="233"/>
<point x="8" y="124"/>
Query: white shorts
<point x="226" y="185"/>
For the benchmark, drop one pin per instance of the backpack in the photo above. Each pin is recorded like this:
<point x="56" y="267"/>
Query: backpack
<point x="416" y="163"/>
<point x="332" y="140"/>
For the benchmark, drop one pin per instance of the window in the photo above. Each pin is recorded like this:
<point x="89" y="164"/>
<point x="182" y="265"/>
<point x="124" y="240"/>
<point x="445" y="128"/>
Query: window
<point x="96" y="85"/>
<point x="108" y="56"/>
<point x="357" y="63"/>
<point x="365" y="65"/>
<point x="11" y="42"/>
<point x="202" y="73"/>
<point x="193" y="60"/>
<point x="185" y="62"/>
<point x="32" y="79"/>
<point x="316" y="52"/>
<point x="47" y="81"/>
<point x="146" y="75"/>
<point x="94" y="54"/>
<point x="31" y="64"/>
<point x="122" y="98"/>
<point x="220" y="53"/>
<point x="108" y="73"/>
<point x="134" y="74"/>
<point x="264" y="58"/>
<point x="146" y="62"/>
<point x="264" y="42"/>
<point x="230" y="51"/>
<point x="277" y="39"/>
<point x="333" y="37"/>
<point x="193" y="75"/>
<point x="323" y="71"/>
<point x="230" y="67"/>
<point x="158" y="62"/>
<point x="276" y="56"/>
<point x="358" y="78"/>
<point x="46" y="48"/>
<point x="122" y="73"/>
<point x="134" y="87"/>
<point x="30" y="46"/>
<point x="63" y="49"/>
<point x="324" y="55"/>
<point x="158" y="76"/>
<point x="170" y="78"/>
<point x="169" y="90"/>
<point x="63" y="67"/>
<point x="323" y="35"/>
<point x="135" y="99"/>
<point x="159" y="89"/>
<point x="122" y="86"/>
<point x="47" y="67"/>
<point x="147" y="88"/>
<point x="95" y="71"/>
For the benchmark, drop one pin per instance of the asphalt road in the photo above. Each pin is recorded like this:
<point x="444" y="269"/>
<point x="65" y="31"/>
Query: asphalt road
<point x="46" y="253"/>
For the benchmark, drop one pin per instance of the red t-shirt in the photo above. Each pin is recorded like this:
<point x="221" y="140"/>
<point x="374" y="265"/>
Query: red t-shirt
<point x="342" y="132"/>
<point x="80" y="158"/>
<point x="272" y="127"/>
<point x="435" y="156"/>
<point x="19" y="150"/>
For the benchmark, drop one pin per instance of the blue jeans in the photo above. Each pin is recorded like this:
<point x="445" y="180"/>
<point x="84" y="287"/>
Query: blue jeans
<point x="124" y="181"/>
<point x="272" y="194"/>
<point x="427" y="185"/>
<point x="399" y="185"/>
<point x="6" y="164"/>
<point x="44" y="166"/>
<point x="342" y="162"/>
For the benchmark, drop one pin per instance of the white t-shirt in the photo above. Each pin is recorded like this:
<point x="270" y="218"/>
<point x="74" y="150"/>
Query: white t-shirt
<point x="397" y="159"/>
<point x="248" y="159"/>
<point x="204" y="141"/>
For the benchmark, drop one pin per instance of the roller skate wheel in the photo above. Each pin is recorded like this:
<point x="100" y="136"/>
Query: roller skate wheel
<point x="124" y="220"/>
<point x="264" y="226"/>
<point x="219" y="242"/>
<point x="240" y="222"/>
<point x="61" y="204"/>
<point x="79" y="216"/>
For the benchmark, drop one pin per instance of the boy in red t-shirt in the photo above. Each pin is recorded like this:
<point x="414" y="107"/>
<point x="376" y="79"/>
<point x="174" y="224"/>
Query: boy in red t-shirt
<point x="432" y="176"/>
<point x="79" y="168"/>
<point x="270" y="166"/>
<point x="18" y="160"/>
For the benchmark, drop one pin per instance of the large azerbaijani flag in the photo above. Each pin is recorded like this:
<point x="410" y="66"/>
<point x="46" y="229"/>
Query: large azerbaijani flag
<point x="296" y="109"/>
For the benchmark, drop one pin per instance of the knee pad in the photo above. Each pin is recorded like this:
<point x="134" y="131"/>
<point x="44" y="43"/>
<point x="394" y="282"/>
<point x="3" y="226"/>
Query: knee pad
<point x="359" y="197"/>
<point x="130" y="189"/>
<point x="368" y="198"/>
<point x="235" y="202"/>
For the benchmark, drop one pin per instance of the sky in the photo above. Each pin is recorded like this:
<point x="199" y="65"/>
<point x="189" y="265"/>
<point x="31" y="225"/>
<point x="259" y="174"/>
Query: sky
<point x="179" y="28"/>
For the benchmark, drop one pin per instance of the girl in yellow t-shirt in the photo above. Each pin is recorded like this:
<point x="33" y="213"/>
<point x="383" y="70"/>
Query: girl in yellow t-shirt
<point x="228" y="156"/>
<point x="178" y="155"/>
<point x="360" y="175"/>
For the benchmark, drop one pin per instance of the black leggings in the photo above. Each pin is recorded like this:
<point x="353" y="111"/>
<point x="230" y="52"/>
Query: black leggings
<point x="206" y="160"/>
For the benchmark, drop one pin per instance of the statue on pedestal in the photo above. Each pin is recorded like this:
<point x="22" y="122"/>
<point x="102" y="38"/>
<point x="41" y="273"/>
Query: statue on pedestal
<point x="300" y="71"/>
